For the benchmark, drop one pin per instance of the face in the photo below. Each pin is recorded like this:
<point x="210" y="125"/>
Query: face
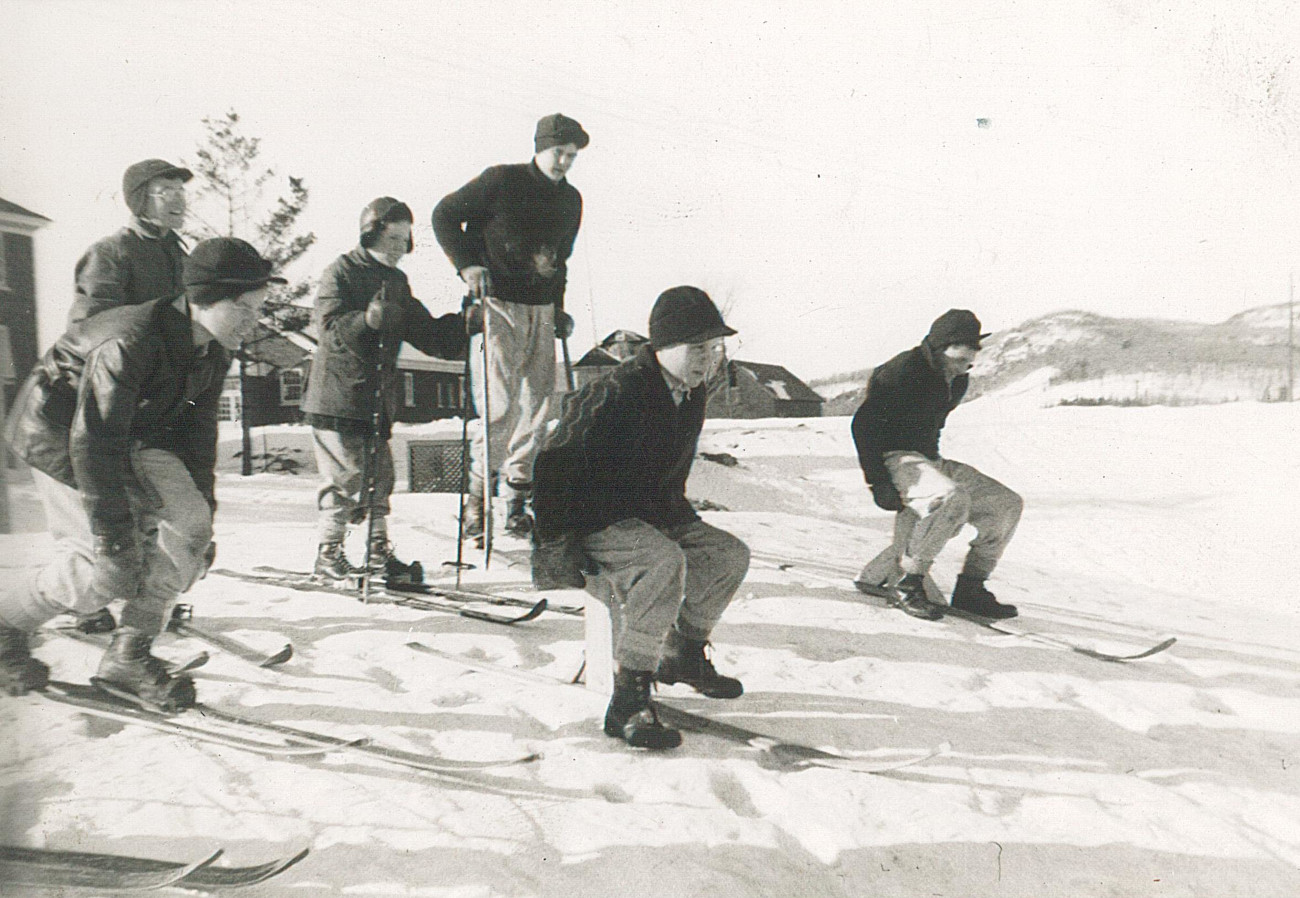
<point x="232" y="321"/>
<point x="166" y="206"/>
<point x="555" y="162"/>
<point x="692" y="363"/>
<point x="393" y="240"/>
<point x="957" y="359"/>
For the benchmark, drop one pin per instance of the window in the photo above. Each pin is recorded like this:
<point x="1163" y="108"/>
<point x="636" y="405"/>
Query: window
<point x="228" y="409"/>
<point x="291" y="387"/>
<point x="408" y="382"/>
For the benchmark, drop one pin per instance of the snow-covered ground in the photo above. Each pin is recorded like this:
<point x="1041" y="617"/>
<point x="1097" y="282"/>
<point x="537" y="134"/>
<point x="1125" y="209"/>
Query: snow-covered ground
<point x="1170" y="776"/>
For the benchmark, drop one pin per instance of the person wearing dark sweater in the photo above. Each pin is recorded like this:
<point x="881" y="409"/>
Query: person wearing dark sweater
<point x="509" y="233"/>
<point x="896" y="431"/>
<point x="610" y="500"/>
<point x="142" y="261"/>
<point x="119" y="423"/>
<point x="364" y="311"/>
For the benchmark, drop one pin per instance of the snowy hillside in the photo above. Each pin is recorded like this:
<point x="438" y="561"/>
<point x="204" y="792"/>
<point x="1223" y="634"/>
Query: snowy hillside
<point x="1093" y="359"/>
<point x="1174" y="775"/>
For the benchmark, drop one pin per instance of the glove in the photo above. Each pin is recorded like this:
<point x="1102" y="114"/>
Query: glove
<point x="119" y="567"/>
<point x="474" y="318"/>
<point x="886" y="495"/>
<point x="383" y="314"/>
<point x="479" y="281"/>
<point x="563" y="325"/>
<point x="558" y="562"/>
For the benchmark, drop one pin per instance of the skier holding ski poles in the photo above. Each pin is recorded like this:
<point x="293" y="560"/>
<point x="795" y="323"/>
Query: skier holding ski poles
<point x="509" y="233"/>
<point x="364" y="305"/>
<point x="896" y="431"/>
<point x="119" y="423"/>
<point x="611" y="497"/>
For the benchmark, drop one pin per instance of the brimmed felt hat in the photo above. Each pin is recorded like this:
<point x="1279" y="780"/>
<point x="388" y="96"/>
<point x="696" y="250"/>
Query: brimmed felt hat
<point x="685" y="315"/>
<point x="557" y="130"/>
<point x="228" y="262"/>
<point x="135" y="181"/>
<point x="955" y="327"/>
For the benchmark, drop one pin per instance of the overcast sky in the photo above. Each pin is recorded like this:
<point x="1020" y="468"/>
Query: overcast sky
<point x="819" y="168"/>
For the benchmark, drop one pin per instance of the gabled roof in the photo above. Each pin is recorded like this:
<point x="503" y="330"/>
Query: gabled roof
<point x="779" y="382"/>
<point x="15" y="209"/>
<point x="18" y="218"/>
<point x="596" y="358"/>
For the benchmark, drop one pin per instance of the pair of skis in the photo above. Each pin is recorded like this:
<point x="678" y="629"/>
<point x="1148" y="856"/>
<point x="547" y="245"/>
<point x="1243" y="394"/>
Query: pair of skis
<point x="47" y="868"/>
<point x="773" y="753"/>
<point x="421" y="596"/>
<point x="834" y="577"/>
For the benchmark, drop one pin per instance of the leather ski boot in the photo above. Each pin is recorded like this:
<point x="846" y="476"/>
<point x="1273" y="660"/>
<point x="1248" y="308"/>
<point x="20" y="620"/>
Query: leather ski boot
<point x="971" y="596"/>
<point x="332" y="563"/>
<point x="631" y="715"/>
<point x="909" y="596"/>
<point x="684" y="661"/>
<point x="129" y="665"/>
<point x="384" y="563"/>
<point x="472" y="513"/>
<point x="100" y="621"/>
<point x="518" y="521"/>
<point x="20" y="673"/>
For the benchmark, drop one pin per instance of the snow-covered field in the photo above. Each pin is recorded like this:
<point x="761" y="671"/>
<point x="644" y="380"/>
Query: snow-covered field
<point x="1170" y="776"/>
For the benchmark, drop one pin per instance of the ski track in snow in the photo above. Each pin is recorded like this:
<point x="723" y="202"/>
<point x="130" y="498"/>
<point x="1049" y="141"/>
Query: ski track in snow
<point x="1173" y="775"/>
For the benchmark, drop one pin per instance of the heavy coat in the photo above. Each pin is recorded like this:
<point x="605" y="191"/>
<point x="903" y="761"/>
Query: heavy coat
<point x="340" y="392"/>
<point x="127" y="377"/>
<point x="517" y="223"/>
<point x="907" y="403"/>
<point x="127" y="267"/>
<point x="622" y="449"/>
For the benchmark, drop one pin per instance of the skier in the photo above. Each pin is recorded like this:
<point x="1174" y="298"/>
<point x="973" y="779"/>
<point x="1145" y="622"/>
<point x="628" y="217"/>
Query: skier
<point x="509" y="233"/>
<point x="141" y="261"/>
<point x="119" y="424"/>
<point x="611" y="497"/>
<point x="364" y="311"/>
<point x="896" y="431"/>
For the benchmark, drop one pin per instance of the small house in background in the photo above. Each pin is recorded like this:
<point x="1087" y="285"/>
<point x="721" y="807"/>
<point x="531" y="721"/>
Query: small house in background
<point x="18" y="292"/>
<point x="280" y="363"/>
<point x="748" y="389"/>
<point x="757" y="390"/>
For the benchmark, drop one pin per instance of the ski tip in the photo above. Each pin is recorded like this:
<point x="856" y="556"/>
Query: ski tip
<point x="199" y="865"/>
<point x="279" y="657"/>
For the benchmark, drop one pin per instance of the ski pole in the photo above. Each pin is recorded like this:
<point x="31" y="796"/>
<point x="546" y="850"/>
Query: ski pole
<point x="466" y="304"/>
<point x="489" y="481"/>
<point x="370" y="474"/>
<point x="568" y="366"/>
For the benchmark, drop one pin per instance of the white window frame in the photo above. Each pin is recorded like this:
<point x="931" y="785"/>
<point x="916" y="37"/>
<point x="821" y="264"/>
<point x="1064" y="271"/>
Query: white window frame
<point x="287" y="389"/>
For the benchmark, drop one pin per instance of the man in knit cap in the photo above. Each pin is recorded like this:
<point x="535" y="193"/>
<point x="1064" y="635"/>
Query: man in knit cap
<point x="611" y="499"/>
<point x="896" y="431"/>
<point x="143" y="260"/>
<point x="364" y="312"/>
<point x="510" y="232"/>
<point x="119" y="423"/>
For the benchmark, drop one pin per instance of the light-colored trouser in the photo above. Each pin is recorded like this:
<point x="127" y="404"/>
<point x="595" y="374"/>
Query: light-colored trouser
<point x="941" y="497"/>
<point x="652" y="579"/>
<point x="341" y="461"/>
<point x="174" y="529"/>
<point x="520" y="380"/>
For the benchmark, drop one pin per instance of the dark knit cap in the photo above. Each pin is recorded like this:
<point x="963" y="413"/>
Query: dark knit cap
<point x="556" y="130"/>
<point x="955" y="327"/>
<point x="685" y="315"/>
<point x="223" y="267"/>
<point x="379" y="212"/>
<point x="135" y="181"/>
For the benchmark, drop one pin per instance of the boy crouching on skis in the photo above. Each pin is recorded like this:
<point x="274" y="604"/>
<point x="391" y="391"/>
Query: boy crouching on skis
<point x="119" y="424"/>
<point x="611" y="495"/>
<point x="364" y="312"/>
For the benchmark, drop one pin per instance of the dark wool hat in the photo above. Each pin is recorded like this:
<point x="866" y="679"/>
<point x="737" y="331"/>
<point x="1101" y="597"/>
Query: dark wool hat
<point x="556" y="130"/>
<point x="135" y="182"/>
<point x="955" y="327"/>
<point x="223" y="267"/>
<point x="685" y="315"/>
<point x="382" y="211"/>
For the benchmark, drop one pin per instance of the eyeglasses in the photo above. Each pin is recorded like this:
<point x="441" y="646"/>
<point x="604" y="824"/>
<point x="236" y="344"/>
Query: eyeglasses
<point x="167" y="193"/>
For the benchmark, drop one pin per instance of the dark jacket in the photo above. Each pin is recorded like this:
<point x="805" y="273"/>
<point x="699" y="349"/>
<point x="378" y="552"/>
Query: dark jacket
<point x="127" y="377"/>
<point x="507" y="219"/>
<point x="340" y="391"/>
<point x="128" y="267"/>
<point x="907" y="403"/>
<point x="622" y="449"/>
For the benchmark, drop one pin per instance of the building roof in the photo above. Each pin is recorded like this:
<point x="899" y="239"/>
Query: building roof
<point x="18" y="218"/>
<point x="597" y="358"/>
<point x="779" y="382"/>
